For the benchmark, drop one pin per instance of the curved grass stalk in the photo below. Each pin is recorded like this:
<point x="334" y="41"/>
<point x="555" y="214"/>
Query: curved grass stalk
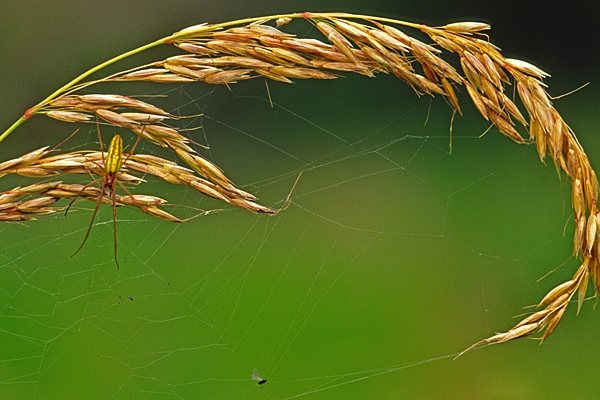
<point x="234" y="51"/>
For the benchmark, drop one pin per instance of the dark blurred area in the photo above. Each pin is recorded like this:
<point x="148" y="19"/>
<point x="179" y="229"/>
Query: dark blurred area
<point x="557" y="35"/>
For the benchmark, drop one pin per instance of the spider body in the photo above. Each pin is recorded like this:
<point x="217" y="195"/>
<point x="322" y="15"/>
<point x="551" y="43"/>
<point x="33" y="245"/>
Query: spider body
<point x="112" y="165"/>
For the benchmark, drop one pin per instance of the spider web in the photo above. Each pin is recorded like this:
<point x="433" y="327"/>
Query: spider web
<point x="393" y="254"/>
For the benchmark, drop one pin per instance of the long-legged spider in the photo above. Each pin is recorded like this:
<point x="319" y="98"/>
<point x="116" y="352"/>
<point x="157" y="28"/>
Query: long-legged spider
<point x="111" y="166"/>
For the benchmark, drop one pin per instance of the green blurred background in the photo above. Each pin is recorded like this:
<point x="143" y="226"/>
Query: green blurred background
<point x="394" y="256"/>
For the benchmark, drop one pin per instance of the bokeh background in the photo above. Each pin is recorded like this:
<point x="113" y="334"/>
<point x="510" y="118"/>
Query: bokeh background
<point x="394" y="256"/>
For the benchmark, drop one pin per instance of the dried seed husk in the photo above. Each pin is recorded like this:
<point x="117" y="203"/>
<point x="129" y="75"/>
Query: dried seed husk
<point x="252" y="206"/>
<point x="68" y="116"/>
<point x="314" y="47"/>
<point x="79" y="189"/>
<point x="428" y="86"/>
<point x="32" y="156"/>
<point x="344" y="67"/>
<point x="525" y="67"/>
<point x="429" y="73"/>
<point x="169" y="78"/>
<point x="143" y="73"/>
<point x="225" y="77"/>
<point x="511" y="107"/>
<point x="301" y="73"/>
<point x="189" y="73"/>
<point x="36" y="206"/>
<point x="493" y="70"/>
<point x="116" y="119"/>
<point x="591" y="229"/>
<point x="287" y="55"/>
<point x="120" y="101"/>
<point x="154" y="170"/>
<point x="165" y="133"/>
<point x="36" y="188"/>
<point x="467" y="27"/>
<point x="62" y="164"/>
<point x="536" y="132"/>
<point x="446" y="43"/>
<point x="451" y="95"/>
<point x="351" y="29"/>
<point x="579" y="235"/>
<point x="142" y="200"/>
<point x="577" y="198"/>
<point x="15" y="217"/>
<point x="228" y="47"/>
<point x="591" y="188"/>
<point x="521" y="331"/>
<point x="388" y="41"/>
<point x="274" y="76"/>
<point x="338" y="40"/>
<point x="159" y="213"/>
<point x="10" y="164"/>
<point x="538" y="93"/>
<point x="505" y="127"/>
<point x="562" y="289"/>
<point x="10" y="196"/>
<point x="238" y="35"/>
<point x="526" y="97"/>
<point x="9" y="207"/>
<point x="490" y="91"/>
<point x="208" y="189"/>
<point x="583" y="284"/>
<point x="202" y="28"/>
<point x="144" y="118"/>
<point x="376" y="56"/>
<point x="477" y="100"/>
<point x="470" y="72"/>
<point x="553" y="323"/>
<point x="196" y="48"/>
<point x="535" y="317"/>
<point x="267" y="30"/>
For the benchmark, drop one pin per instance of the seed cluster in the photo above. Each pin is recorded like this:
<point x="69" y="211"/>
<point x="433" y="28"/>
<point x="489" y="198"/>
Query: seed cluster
<point x="215" y="55"/>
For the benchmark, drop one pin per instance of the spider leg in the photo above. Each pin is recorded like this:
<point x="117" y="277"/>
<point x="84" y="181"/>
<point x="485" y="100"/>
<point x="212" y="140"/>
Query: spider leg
<point x="79" y="194"/>
<point x="93" y="215"/>
<point x="114" y="206"/>
<point x="134" y="145"/>
<point x="126" y="191"/>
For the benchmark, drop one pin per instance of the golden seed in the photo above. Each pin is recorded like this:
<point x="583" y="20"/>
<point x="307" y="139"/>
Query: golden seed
<point x="169" y="78"/>
<point x="158" y="213"/>
<point x="226" y="77"/>
<point x="68" y="116"/>
<point x="338" y="40"/>
<point x="526" y="67"/>
<point x="14" y="217"/>
<point x="301" y="73"/>
<point x="467" y="27"/>
<point x="591" y="229"/>
<point x="116" y="119"/>
<point x="144" y="73"/>
<point x="196" y="48"/>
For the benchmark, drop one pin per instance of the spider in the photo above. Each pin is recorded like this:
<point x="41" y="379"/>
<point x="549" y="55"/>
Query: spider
<point x="111" y="167"/>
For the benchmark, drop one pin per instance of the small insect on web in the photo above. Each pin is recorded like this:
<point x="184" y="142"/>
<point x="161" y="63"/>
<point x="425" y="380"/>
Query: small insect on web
<point x="111" y="165"/>
<point x="256" y="376"/>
